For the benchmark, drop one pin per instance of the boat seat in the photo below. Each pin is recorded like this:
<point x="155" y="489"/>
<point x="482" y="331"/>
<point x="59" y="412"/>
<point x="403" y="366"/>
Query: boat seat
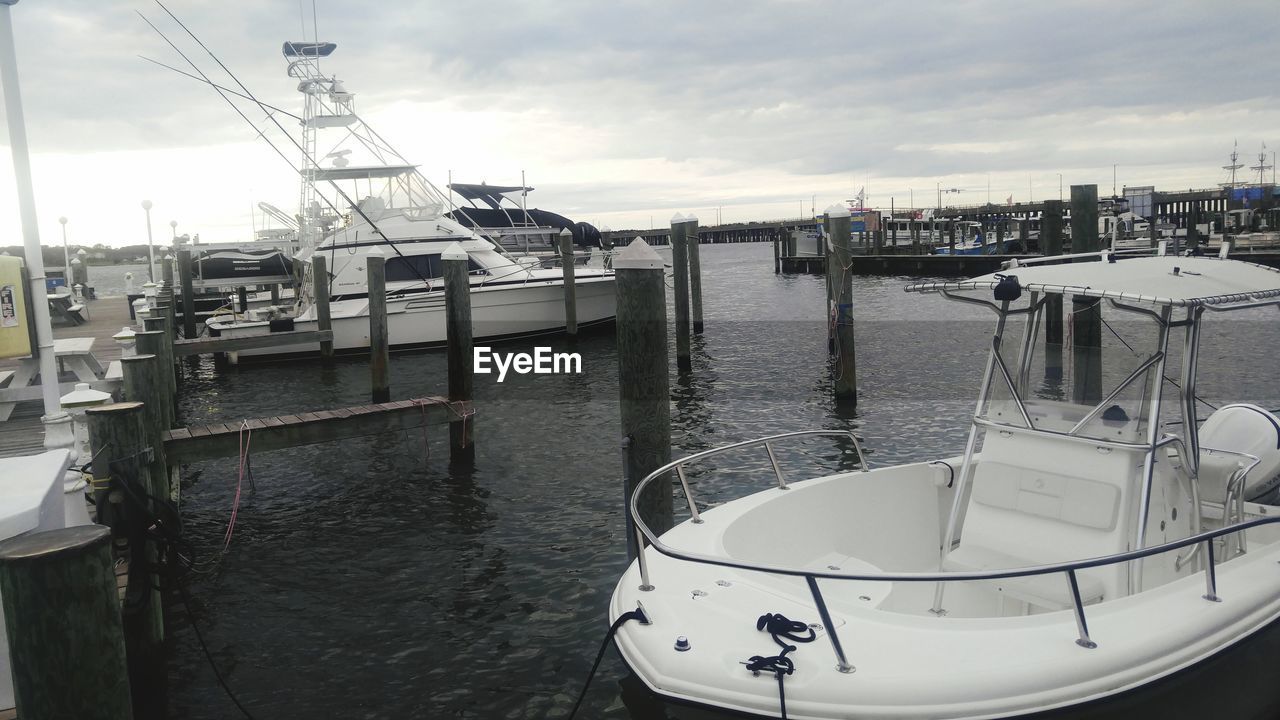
<point x="1051" y="591"/>
<point x="1020" y="517"/>
<point x="1240" y="428"/>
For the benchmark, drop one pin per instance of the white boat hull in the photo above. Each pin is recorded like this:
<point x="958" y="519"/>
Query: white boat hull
<point x="418" y="320"/>
<point x="909" y="663"/>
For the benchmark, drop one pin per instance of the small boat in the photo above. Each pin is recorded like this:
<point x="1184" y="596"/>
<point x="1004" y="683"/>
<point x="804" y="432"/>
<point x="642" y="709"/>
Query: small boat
<point x="1113" y="552"/>
<point x="363" y="199"/>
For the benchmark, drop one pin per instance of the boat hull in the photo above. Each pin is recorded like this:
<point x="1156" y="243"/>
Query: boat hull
<point x="909" y="663"/>
<point x="418" y="321"/>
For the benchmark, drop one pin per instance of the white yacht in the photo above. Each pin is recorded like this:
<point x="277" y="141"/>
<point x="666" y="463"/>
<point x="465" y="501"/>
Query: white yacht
<point x="361" y="198"/>
<point x="1108" y="553"/>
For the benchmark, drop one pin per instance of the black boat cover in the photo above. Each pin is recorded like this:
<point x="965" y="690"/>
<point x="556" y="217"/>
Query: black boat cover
<point x="309" y="49"/>
<point x="584" y="234"/>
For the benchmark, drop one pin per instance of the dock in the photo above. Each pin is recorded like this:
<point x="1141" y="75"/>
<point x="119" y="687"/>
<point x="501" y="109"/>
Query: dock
<point x="22" y="433"/>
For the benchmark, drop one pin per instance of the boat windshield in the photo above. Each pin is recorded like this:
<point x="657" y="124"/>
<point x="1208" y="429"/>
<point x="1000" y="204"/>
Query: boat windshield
<point x="1056" y="380"/>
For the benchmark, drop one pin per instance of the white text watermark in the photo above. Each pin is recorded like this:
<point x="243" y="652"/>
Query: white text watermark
<point x="541" y="362"/>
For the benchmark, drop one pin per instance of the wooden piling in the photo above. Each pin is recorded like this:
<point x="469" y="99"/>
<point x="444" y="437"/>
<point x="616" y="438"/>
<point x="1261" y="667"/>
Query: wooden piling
<point x="680" y="267"/>
<point x="1051" y="244"/>
<point x="189" y="329"/>
<point x="777" y="252"/>
<point x="1000" y="249"/>
<point x="119" y="442"/>
<point x="62" y="616"/>
<point x="152" y="342"/>
<point x="142" y="384"/>
<point x="951" y="237"/>
<point x="320" y="291"/>
<point x="844" y="367"/>
<point x="165" y="352"/>
<point x="460" y="352"/>
<point x="1152" y="221"/>
<point x="242" y="300"/>
<point x="570" y="286"/>
<point x="695" y="272"/>
<point x="643" y="384"/>
<point x="379" y="340"/>
<point x="1086" y="312"/>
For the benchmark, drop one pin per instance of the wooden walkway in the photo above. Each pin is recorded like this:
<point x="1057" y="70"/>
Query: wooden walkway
<point x="22" y="433"/>
<point x="205" y="442"/>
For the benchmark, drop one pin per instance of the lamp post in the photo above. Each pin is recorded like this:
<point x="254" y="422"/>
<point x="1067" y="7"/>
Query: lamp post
<point x="173" y="234"/>
<point x="66" y="254"/>
<point x="151" y="251"/>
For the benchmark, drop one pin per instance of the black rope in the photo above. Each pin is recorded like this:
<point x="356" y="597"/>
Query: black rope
<point x="637" y="614"/>
<point x="779" y="626"/>
<point x="186" y="602"/>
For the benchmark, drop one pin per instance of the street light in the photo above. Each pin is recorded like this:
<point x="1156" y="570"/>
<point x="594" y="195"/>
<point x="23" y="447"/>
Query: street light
<point x="151" y="251"/>
<point x="66" y="254"/>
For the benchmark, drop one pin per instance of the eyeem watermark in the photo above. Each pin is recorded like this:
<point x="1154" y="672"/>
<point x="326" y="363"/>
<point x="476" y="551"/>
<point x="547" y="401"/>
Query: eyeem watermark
<point x="541" y="362"/>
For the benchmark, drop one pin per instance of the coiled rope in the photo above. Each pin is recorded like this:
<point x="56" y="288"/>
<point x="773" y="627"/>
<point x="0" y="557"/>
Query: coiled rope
<point x="779" y="627"/>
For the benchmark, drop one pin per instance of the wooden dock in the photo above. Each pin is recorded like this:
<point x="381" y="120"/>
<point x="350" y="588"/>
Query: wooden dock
<point x="22" y="433"/>
<point x="218" y="440"/>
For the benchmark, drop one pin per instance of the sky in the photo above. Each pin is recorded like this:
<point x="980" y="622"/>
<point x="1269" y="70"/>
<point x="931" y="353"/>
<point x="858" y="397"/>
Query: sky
<point x="624" y="113"/>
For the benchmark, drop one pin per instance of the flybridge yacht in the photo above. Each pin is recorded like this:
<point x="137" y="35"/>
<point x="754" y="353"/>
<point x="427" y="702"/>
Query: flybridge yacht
<point x="361" y="198"/>
<point x="1098" y="548"/>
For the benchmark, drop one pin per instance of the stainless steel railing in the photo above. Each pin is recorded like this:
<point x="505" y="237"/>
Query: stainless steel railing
<point x="1069" y="569"/>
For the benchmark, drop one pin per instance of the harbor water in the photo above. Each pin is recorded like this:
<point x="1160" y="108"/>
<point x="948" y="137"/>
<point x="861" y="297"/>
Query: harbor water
<point x="368" y="579"/>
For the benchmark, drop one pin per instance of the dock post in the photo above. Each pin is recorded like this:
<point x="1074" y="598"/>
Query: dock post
<point x="119" y="443"/>
<point x="1153" y="231"/>
<point x="643" y="384"/>
<point x="1000" y="249"/>
<point x="680" y="266"/>
<point x="570" y="285"/>
<point x="379" y="343"/>
<point x="951" y="237"/>
<point x="845" y="366"/>
<point x="151" y="342"/>
<point x="460" y="352"/>
<point x="188" y="295"/>
<point x="142" y="384"/>
<point x="242" y="299"/>
<point x="320" y="291"/>
<point x="165" y="352"/>
<point x="62" y="617"/>
<point x="777" y="251"/>
<point x="1051" y="244"/>
<point x="275" y="294"/>
<point x="1086" y="312"/>
<point x="695" y="270"/>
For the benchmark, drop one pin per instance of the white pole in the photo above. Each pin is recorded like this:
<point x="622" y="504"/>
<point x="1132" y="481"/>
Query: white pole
<point x="30" y="232"/>
<point x="66" y="254"/>
<point x="151" y="251"/>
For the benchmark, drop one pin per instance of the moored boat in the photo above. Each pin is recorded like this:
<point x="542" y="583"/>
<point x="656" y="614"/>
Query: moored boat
<point x="1087" y="547"/>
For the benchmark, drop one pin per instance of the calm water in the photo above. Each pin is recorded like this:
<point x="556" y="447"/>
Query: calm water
<point x="367" y="580"/>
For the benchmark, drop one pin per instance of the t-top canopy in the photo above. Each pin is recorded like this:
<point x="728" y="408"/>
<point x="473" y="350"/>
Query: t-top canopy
<point x="309" y="49"/>
<point x="360" y="172"/>
<point x="491" y="195"/>
<point x="1164" y="280"/>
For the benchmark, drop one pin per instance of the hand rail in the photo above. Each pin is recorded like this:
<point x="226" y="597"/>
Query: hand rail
<point x="811" y="577"/>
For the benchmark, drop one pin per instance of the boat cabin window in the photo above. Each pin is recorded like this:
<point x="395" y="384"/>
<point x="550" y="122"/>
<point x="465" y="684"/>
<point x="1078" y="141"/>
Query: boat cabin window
<point x="420" y="267"/>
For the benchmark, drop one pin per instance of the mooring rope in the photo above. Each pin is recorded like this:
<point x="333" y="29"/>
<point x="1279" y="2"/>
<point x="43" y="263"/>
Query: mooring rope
<point x="779" y="626"/>
<point x="637" y="614"/>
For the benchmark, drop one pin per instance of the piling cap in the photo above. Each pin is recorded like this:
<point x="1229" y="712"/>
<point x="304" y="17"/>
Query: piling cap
<point x="85" y="396"/>
<point x="454" y="252"/>
<point x="637" y="256"/>
<point x="691" y="218"/>
<point x="837" y="211"/>
<point x="677" y="218"/>
<point x="126" y="333"/>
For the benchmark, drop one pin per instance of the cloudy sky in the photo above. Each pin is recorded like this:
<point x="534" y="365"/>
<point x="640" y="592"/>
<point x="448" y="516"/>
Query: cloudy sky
<point x="623" y="113"/>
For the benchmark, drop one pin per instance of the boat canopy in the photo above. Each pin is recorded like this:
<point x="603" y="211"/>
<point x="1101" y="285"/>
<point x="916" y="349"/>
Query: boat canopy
<point x="360" y="172"/>
<point x="309" y="49"/>
<point x="491" y="195"/>
<point x="1163" y="280"/>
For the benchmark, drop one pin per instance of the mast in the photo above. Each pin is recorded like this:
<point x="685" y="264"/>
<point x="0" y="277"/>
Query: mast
<point x="1233" y="167"/>
<point x="1262" y="167"/>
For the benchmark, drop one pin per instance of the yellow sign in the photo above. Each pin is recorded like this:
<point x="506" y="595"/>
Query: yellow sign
<point x="15" y="341"/>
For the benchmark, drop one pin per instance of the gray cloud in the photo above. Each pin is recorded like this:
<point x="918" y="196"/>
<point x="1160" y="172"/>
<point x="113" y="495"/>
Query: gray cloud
<point x="795" y="88"/>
